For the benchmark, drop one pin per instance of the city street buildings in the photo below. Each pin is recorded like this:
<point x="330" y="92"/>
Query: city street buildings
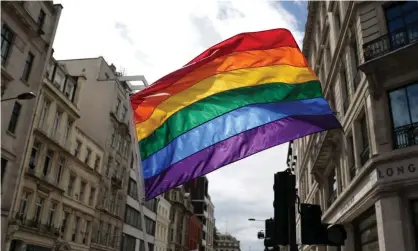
<point x="203" y="209"/>
<point x="104" y="105"/>
<point x="27" y="34"/>
<point x="364" y="176"/>
<point x="163" y="224"/>
<point x="60" y="176"/>
<point x="226" y="242"/>
<point x="180" y="213"/>
<point x="195" y="233"/>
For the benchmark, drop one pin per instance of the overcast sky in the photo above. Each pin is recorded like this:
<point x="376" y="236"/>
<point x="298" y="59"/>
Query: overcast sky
<point x="153" y="38"/>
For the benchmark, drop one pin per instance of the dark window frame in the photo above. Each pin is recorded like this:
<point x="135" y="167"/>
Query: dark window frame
<point x="14" y="118"/>
<point x="358" y="244"/>
<point x="41" y="19"/>
<point x="125" y="239"/>
<point x="414" y="219"/>
<point x="4" y="163"/>
<point x="7" y="37"/>
<point x="393" y="128"/>
<point x="27" y="69"/>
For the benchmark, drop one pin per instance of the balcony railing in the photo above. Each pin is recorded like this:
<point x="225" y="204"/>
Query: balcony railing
<point x="33" y="224"/>
<point x="391" y="41"/>
<point x="406" y="135"/>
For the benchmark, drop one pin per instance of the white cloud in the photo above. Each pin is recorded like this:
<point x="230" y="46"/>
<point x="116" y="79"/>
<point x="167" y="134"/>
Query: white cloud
<point x="153" y="38"/>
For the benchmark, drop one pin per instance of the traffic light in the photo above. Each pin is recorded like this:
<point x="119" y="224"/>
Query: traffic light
<point x="314" y="232"/>
<point x="282" y="183"/>
<point x="269" y="241"/>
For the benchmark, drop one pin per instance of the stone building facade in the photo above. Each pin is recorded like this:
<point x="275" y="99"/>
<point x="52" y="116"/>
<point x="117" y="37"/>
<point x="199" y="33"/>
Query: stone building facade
<point x="364" y="176"/>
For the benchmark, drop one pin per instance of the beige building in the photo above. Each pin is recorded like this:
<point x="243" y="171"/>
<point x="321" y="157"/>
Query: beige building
<point x="104" y="101"/>
<point x="181" y="210"/>
<point x="210" y="224"/>
<point x="226" y="242"/>
<point x="163" y="224"/>
<point x="55" y="206"/>
<point x="27" y="34"/>
<point x="364" y="176"/>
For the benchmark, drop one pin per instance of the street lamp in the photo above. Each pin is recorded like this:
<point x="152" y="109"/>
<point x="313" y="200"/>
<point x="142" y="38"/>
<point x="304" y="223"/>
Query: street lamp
<point x="252" y="219"/>
<point x="22" y="96"/>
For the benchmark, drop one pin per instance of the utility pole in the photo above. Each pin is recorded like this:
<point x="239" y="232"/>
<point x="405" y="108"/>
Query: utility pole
<point x="292" y="211"/>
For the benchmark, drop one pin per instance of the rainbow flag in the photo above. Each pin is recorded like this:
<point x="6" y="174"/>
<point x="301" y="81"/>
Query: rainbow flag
<point x="244" y="95"/>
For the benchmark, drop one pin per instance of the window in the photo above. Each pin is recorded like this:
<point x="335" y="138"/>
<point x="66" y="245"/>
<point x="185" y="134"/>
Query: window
<point x="15" y="117"/>
<point x="414" y="214"/>
<point x="56" y="125"/>
<point x="332" y="187"/>
<point x="128" y="243"/>
<point x="118" y="103"/>
<point x="6" y="43"/>
<point x="103" y="232"/>
<point x="75" y="227"/>
<point x="141" y="245"/>
<point x="50" y="70"/>
<point x="151" y="205"/>
<point x="28" y="67"/>
<point x="77" y="148"/>
<point x="97" y="163"/>
<point x="33" y="160"/>
<point x="91" y="197"/>
<point x="354" y="56"/>
<point x="82" y="190"/>
<point x="68" y="128"/>
<point x="133" y="217"/>
<point x="70" y="188"/>
<point x="337" y="19"/>
<point x="44" y="113"/>
<point x="401" y="21"/>
<point x="117" y="169"/>
<point x="106" y="234"/>
<point x="109" y="165"/>
<point x="48" y="162"/>
<point x="38" y="210"/>
<point x="51" y="213"/>
<point x="113" y="137"/>
<point x="60" y="169"/>
<point x="115" y="237"/>
<point x="150" y="226"/>
<point x="351" y="160"/>
<point x="24" y="202"/>
<point x="64" y="222"/>
<point x="59" y="79"/>
<point x="41" y="19"/>
<point x="365" y="232"/>
<point x="3" y="168"/>
<point x="344" y="88"/>
<point x="404" y="111"/>
<point x="133" y="189"/>
<point x="88" y="154"/>
<point x="86" y="232"/>
<point x="124" y="111"/>
<point x="69" y="88"/>
<point x="364" y="155"/>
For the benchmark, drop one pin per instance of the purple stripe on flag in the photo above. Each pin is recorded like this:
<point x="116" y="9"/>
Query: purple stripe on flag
<point x="236" y="148"/>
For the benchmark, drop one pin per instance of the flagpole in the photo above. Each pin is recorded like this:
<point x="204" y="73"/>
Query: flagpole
<point x="138" y="171"/>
